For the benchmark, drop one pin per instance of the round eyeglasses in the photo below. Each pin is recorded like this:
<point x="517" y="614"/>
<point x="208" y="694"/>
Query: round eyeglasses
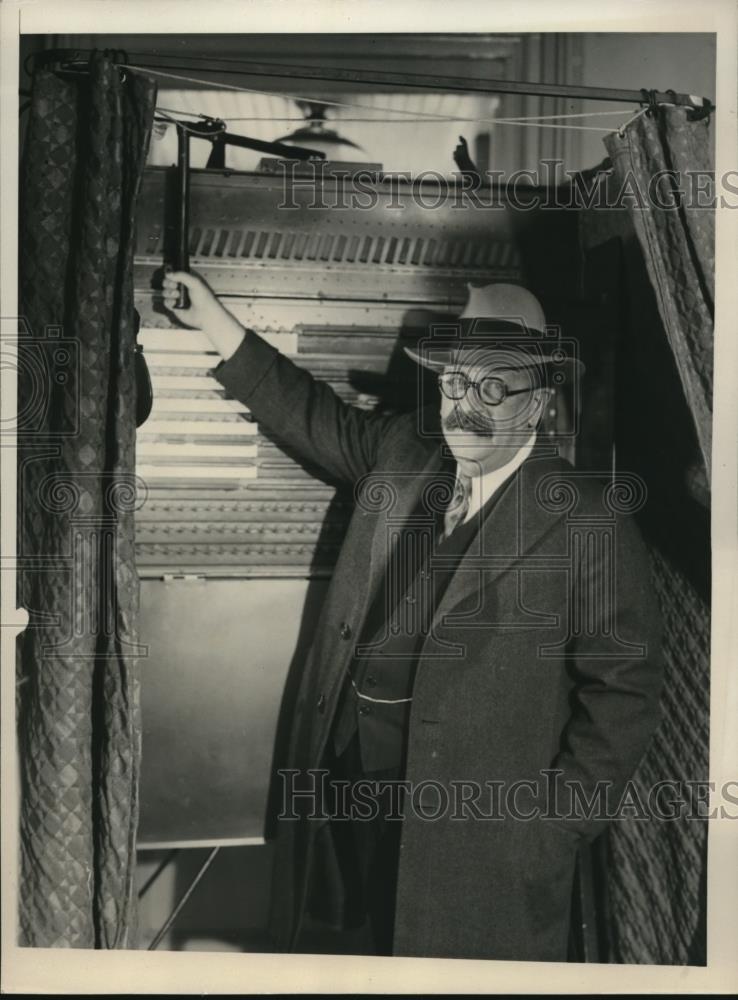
<point x="491" y="390"/>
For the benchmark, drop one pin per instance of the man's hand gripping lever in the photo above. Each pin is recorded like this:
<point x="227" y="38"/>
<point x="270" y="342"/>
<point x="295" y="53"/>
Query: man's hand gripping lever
<point x="205" y="311"/>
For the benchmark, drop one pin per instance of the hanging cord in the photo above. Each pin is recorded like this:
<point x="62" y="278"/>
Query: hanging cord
<point x="386" y="121"/>
<point x="638" y="114"/>
<point x="534" y="122"/>
<point x="191" y="131"/>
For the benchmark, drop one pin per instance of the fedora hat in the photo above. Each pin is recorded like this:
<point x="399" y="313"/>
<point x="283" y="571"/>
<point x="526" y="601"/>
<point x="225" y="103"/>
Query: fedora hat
<point x="498" y="317"/>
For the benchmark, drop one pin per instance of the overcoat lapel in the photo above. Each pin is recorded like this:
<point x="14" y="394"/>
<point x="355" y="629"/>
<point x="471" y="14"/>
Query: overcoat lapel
<point x="516" y="522"/>
<point x="392" y="496"/>
<point x="512" y="524"/>
<point x="404" y="493"/>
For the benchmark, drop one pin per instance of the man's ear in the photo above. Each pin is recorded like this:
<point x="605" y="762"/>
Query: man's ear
<point x="542" y="397"/>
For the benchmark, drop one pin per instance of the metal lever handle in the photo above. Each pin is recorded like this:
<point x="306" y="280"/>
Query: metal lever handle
<point x="182" y="247"/>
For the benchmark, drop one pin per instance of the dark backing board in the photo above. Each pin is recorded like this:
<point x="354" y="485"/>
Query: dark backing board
<point x="218" y="657"/>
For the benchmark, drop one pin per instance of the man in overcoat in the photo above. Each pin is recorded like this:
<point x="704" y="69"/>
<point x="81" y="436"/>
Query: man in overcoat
<point x="489" y="640"/>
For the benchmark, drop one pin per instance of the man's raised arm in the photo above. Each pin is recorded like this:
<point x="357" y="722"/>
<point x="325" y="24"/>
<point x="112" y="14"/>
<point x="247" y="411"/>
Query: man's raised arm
<point x="286" y="399"/>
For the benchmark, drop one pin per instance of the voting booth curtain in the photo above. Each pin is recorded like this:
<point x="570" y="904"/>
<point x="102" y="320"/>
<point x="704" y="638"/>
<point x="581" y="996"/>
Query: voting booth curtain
<point x="663" y="160"/>
<point x="78" y="695"/>
<point x="657" y="869"/>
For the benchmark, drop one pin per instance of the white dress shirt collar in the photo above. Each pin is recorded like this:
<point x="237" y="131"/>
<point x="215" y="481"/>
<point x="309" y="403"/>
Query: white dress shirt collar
<point x="484" y="486"/>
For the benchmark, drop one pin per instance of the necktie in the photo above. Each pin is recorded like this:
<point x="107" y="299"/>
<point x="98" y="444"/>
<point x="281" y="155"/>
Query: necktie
<point x="458" y="506"/>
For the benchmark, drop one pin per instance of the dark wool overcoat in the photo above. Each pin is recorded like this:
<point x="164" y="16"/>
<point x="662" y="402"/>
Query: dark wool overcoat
<point x="541" y="671"/>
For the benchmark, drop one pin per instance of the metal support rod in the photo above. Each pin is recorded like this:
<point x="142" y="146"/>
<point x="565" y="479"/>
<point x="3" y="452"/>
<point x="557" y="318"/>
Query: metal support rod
<point x="422" y="81"/>
<point x="262" y="146"/>
<point x="394" y="79"/>
<point x="180" y="905"/>
<point x="161" y="867"/>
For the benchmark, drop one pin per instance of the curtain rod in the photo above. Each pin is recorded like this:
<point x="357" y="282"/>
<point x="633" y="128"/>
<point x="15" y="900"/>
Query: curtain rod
<point x="412" y="80"/>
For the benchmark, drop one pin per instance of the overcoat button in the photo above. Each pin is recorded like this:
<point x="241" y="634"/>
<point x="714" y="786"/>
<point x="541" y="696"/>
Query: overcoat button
<point x="371" y="681"/>
<point x="345" y="630"/>
<point x="364" y="710"/>
<point x="321" y="704"/>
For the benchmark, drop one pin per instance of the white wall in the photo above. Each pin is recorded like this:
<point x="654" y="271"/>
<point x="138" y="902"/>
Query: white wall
<point x="681" y="62"/>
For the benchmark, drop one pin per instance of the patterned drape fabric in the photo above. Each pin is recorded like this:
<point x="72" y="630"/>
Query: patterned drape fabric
<point x="78" y="704"/>
<point x="659" y="155"/>
<point x="657" y="869"/>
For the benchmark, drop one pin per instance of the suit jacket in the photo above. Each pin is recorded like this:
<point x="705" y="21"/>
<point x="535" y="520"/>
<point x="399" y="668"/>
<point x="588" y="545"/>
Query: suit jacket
<point x="543" y="661"/>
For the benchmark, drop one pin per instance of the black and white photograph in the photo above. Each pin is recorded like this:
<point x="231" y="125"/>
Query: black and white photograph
<point x="368" y="498"/>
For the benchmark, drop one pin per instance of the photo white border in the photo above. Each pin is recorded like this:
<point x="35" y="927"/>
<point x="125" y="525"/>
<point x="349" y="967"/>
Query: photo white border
<point x="84" y="971"/>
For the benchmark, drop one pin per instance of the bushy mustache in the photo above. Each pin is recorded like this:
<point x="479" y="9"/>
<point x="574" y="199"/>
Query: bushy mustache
<point x="458" y="420"/>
